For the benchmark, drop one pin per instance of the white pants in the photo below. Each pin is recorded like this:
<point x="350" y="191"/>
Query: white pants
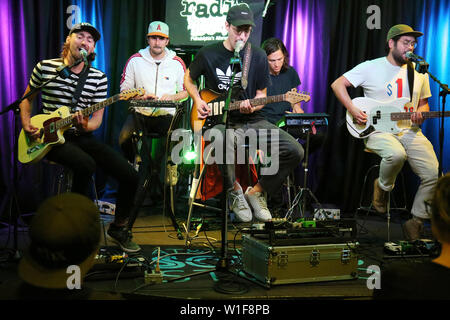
<point x="409" y="145"/>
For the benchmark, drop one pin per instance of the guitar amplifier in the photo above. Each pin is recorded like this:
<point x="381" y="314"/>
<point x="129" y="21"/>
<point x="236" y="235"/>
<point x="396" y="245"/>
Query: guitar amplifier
<point x="276" y="265"/>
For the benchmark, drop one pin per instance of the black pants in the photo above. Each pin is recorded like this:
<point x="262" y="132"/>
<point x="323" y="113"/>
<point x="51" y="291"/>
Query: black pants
<point x="83" y="154"/>
<point x="159" y="125"/>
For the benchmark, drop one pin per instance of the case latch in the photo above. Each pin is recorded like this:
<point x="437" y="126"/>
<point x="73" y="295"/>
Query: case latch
<point x="314" y="258"/>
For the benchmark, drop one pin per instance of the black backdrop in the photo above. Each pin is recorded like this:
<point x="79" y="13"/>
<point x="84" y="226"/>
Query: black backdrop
<point x="340" y="165"/>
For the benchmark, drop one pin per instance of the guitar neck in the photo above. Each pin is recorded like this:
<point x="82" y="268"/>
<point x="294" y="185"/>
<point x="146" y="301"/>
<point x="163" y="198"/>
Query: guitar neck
<point x="397" y="116"/>
<point x="259" y="101"/>
<point x="65" y="122"/>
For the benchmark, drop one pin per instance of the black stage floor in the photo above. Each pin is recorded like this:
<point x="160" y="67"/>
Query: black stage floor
<point x="190" y="274"/>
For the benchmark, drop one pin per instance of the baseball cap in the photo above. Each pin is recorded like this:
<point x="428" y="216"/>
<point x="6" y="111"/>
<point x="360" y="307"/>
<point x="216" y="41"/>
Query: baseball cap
<point x="84" y="26"/>
<point x="402" y="29"/>
<point x="158" y="28"/>
<point x="240" y="15"/>
<point x="65" y="231"/>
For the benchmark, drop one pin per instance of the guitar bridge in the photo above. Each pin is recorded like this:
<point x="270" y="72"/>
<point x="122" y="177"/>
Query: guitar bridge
<point x="366" y="132"/>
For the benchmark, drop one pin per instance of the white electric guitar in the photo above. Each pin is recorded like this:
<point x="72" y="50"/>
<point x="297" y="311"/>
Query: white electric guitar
<point x="388" y="116"/>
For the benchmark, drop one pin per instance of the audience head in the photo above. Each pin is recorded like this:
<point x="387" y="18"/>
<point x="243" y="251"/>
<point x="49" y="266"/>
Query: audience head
<point x="440" y="210"/>
<point x="64" y="232"/>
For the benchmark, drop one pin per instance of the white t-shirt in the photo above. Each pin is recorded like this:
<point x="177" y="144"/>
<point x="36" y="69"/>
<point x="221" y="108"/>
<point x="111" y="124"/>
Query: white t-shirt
<point x="383" y="81"/>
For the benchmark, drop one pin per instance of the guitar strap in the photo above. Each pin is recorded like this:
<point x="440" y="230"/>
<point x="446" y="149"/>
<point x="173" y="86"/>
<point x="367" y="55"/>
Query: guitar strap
<point x="247" y="59"/>
<point x="81" y="81"/>
<point x="410" y="72"/>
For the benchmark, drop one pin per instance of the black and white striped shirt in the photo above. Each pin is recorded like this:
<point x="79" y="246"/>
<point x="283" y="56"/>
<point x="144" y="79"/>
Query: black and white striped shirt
<point x="59" y="92"/>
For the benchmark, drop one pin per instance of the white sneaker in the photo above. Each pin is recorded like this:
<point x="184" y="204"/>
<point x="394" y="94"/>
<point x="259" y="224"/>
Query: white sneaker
<point x="239" y="205"/>
<point x="259" y="204"/>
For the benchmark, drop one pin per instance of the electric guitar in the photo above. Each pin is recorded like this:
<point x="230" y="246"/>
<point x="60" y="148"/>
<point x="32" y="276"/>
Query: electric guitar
<point x="389" y="116"/>
<point x="52" y="127"/>
<point x="216" y="103"/>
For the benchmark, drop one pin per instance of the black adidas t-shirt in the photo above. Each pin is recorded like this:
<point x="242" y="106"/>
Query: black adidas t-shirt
<point x="213" y="62"/>
<point x="281" y="83"/>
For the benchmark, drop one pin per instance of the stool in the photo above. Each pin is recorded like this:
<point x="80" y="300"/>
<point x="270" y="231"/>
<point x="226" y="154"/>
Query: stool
<point x="62" y="183"/>
<point x="369" y="208"/>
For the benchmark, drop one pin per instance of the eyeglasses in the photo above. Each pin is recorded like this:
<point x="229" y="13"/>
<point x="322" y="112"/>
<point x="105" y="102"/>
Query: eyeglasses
<point x="408" y="43"/>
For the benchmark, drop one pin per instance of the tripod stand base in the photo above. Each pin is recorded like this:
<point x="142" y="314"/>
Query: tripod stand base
<point x="301" y="199"/>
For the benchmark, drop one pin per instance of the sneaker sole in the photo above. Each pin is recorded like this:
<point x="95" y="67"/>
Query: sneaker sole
<point x="108" y="237"/>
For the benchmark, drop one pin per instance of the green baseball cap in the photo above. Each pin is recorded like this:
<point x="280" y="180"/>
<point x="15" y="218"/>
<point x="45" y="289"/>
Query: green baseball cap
<point x="402" y="29"/>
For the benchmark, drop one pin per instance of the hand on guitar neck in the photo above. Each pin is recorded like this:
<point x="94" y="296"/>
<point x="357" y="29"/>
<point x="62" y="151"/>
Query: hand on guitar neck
<point x="80" y="122"/>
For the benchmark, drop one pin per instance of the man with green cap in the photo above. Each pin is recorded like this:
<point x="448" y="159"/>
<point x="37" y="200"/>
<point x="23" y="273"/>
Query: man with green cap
<point x="385" y="79"/>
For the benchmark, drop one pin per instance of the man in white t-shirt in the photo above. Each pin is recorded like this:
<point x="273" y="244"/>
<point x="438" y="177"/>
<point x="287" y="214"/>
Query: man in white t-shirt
<point x="384" y="79"/>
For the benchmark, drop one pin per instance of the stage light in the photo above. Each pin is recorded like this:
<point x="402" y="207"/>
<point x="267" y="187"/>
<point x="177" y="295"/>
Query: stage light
<point x="190" y="155"/>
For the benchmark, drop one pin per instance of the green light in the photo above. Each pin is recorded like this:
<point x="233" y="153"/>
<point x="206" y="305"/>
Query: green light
<point x="190" y="155"/>
<point x="281" y="123"/>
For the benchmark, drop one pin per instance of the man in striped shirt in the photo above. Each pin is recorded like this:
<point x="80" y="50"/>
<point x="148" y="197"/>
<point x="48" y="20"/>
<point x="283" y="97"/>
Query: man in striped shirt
<point x="82" y="152"/>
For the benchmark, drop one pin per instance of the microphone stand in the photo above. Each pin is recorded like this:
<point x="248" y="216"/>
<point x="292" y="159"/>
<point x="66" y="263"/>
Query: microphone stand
<point x="11" y="195"/>
<point x="223" y="262"/>
<point x="422" y="67"/>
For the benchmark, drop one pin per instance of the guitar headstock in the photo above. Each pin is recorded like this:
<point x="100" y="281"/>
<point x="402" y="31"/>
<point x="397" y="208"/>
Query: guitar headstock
<point x="294" y="97"/>
<point x="131" y="93"/>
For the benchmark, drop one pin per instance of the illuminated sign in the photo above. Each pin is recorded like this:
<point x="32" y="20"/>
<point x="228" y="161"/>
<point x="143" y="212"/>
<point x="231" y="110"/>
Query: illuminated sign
<point x="206" y="18"/>
<point x="199" y="22"/>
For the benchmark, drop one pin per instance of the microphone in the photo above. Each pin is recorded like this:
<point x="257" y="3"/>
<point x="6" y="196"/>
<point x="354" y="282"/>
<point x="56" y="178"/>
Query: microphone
<point x="84" y="55"/>
<point x="413" y="57"/>
<point x="238" y="47"/>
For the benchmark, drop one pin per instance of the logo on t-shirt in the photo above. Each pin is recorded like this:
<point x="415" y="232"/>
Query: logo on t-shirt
<point x="225" y="78"/>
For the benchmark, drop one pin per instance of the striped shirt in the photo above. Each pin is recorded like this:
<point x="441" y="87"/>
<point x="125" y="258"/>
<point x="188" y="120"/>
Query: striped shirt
<point x="59" y="92"/>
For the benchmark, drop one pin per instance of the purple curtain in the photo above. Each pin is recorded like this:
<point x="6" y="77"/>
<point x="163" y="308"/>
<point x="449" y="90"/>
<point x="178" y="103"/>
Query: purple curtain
<point x="303" y="25"/>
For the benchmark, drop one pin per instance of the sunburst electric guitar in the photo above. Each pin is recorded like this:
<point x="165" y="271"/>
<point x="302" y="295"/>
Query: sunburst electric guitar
<point x="52" y="127"/>
<point x="216" y="103"/>
<point x="390" y="116"/>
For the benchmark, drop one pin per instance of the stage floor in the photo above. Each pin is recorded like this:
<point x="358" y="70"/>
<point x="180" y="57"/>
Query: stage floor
<point x="155" y="232"/>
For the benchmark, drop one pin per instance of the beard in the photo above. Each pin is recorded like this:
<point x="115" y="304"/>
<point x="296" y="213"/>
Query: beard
<point x="398" y="56"/>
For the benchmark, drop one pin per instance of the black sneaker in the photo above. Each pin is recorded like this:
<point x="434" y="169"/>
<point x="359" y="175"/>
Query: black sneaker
<point x="122" y="236"/>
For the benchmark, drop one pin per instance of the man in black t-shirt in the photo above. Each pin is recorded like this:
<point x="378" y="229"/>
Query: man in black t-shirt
<point x="213" y="62"/>
<point x="283" y="79"/>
